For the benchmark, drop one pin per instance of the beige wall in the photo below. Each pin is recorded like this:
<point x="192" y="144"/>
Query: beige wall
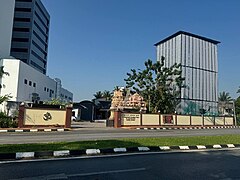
<point x="228" y="120"/>
<point x="197" y="120"/>
<point x="35" y="117"/>
<point x="150" y="119"/>
<point x="130" y="119"/>
<point x="208" y="121"/>
<point x="183" y="120"/>
<point x="219" y="120"/>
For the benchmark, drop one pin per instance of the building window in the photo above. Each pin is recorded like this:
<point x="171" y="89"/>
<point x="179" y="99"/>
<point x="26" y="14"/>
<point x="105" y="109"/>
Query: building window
<point x="20" y="39"/>
<point x="21" y="29"/>
<point x="23" y="9"/>
<point x="19" y="50"/>
<point x="34" y="84"/>
<point x="25" y="81"/>
<point x="45" y="88"/>
<point x="24" y="0"/>
<point x="30" y="83"/>
<point x="22" y="19"/>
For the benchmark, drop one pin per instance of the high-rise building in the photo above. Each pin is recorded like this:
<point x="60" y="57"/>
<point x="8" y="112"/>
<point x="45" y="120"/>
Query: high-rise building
<point x="199" y="64"/>
<point x="29" y="26"/>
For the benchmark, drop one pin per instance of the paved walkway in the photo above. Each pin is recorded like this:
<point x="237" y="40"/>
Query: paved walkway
<point x="87" y="124"/>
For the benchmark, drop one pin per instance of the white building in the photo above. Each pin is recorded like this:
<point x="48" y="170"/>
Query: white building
<point x="24" y="34"/>
<point x="198" y="57"/>
<point x="25" y="83"/>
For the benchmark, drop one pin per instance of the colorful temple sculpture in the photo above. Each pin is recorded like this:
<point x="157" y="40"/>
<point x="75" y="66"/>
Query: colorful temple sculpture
<point x="123" y="100"/>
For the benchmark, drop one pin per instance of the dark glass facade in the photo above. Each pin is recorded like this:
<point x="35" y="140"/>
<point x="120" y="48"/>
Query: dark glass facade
<point x="31" y="33"/>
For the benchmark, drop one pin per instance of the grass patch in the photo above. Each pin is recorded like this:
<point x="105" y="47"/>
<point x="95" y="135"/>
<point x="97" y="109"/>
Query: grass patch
<point x="124" y="142"/>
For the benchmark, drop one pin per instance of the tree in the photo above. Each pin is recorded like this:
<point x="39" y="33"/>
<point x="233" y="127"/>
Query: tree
<point x="107" y="95"/>
<point x="224" y="97"/>
<point x="98" y="95"/>
<point x="238" y="91"/>
<point x="2" y="73"/>
<point x="7" y="96"/>
<point x="160" y="86"/>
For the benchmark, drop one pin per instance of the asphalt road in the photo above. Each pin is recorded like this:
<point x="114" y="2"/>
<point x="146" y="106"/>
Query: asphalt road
<point x="83" y="134"/>
<point x="178" y="165"/>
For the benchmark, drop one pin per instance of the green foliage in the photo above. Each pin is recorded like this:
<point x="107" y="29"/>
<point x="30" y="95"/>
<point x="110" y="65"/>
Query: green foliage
<point x="5" y="98"/>
<point x="160" y="86"/>
<point x="98" y="95"/>
<point x="237" y="109"/>
<point x="7" y="122"/>
<point x="105" y="94"/>
<point x="224" y="97"/>
<point x="122" y="142"/>
<point x="55" y="101"/>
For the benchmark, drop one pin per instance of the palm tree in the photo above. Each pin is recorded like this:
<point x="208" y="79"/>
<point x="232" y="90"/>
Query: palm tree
<point x="107" y="95"/>
<point x="98" y="95"/>
<point x="7" y="96"/>
<point x="238" y="91"/>
<point x="224" y="97"/>
<point x="224" y="101"/>
<point x="2" y="73"/>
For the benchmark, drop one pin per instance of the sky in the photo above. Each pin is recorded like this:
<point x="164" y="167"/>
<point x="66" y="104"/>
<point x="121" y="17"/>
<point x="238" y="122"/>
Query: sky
<point x="94" y="43"/>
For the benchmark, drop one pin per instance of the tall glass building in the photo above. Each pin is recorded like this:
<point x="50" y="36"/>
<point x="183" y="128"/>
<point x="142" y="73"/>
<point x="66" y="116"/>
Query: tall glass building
<point x="30" y="33"/>
<point x="199" y="63"/>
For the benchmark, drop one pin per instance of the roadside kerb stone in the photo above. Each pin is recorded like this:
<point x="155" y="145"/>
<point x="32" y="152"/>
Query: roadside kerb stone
<point x="21" y="155"/>
<point x="143" y="149"/>
<point x="61" y="153"/>
<point x="66" y="153"/>
<point x="92" y="151"/>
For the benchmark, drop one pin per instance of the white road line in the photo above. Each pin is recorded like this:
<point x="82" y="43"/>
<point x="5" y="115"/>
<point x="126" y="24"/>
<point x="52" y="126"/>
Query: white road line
<point x="106" y="172"/>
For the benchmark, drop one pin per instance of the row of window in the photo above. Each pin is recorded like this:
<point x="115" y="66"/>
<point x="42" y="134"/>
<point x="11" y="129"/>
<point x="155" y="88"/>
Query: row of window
<point x="66" y="97"/>
<point x="38" y="57"/>
<point x="40" y="49"/>
<point x="47" y="90"/>
<point x="18" y="19"/>
<point x="40" y="39"/>
<point x="40" y="9"/>
<point x="30" y="83"/>
<point x="20" y="39"/>
<point x="40" y="19"/>
<point x="20" y="29"/>
<point x="23" y="0"/>
<point x="22" y="50"/>
<point x="33" y="84"/>
<point x="23" y="9"/>
<point x="38" y="67"/>
<point x="41" y="30"/>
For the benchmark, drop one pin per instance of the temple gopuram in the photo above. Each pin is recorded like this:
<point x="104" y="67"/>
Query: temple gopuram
<point x="123" y="100"/>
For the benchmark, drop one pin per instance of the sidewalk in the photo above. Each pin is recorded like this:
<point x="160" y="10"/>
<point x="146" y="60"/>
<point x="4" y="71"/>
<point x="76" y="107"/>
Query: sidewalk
<point x="88" y="124"/>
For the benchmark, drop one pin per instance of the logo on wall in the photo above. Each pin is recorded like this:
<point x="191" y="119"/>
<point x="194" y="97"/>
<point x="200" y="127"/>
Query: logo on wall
<point x="47" y="116"/>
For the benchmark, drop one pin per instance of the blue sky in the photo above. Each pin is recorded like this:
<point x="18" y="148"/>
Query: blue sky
<point x="94" y="43"/>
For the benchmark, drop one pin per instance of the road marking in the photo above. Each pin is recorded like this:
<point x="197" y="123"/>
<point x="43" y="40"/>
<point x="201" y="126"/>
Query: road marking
<point x="107" y="172"/>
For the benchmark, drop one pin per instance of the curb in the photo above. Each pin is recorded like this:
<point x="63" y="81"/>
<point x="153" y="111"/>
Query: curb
<point x="34" y="130"/>
<point x="199" y="127"/>
<point x="91" y="152"/>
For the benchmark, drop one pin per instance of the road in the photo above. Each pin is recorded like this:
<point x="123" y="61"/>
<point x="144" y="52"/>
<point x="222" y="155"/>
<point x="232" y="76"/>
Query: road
<point x="178" y="165"/>
<point x="83" y="134"/>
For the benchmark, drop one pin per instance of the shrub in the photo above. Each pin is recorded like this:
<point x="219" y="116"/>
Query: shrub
<point x="7" y="122"/>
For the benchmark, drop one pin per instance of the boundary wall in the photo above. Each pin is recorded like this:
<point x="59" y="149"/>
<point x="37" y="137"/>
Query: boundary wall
<point x="44" y="117"/>
<point x="139" y="119"/>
